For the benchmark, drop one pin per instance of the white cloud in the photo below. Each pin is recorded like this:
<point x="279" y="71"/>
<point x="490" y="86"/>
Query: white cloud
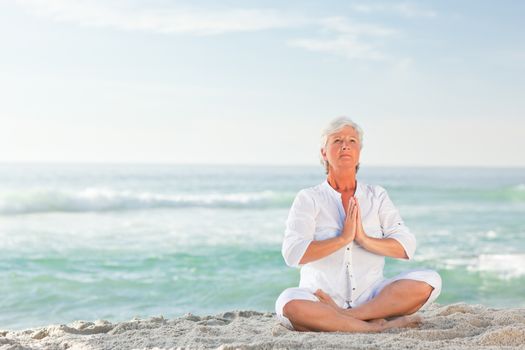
<point x="346" y="46"/>
<point x="168" y="20"/>
<point x="404" y="64"/>
<point x="403" y="9"/>
<point x="348" y="39"/>
<point x="344" y="26"/>
<point x="338" y="35"/>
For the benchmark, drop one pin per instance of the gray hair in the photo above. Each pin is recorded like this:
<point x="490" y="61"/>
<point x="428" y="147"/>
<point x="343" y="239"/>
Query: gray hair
<point x="334" y="126"/>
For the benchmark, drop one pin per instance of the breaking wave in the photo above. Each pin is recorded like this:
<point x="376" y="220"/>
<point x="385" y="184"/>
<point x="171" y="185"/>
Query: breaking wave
<point x="101" y="199"/>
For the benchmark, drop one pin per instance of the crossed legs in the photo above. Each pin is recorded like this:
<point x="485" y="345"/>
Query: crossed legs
<point x="306" y="315"/>
<point x="402" y="297"/>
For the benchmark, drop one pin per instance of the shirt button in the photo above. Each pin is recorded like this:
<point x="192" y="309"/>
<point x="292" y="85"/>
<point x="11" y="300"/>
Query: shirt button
<point x="347" y="248"/>
<point x="353" y="288"/>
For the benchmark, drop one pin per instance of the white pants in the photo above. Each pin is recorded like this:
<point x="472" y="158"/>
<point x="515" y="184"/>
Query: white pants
<point x="429" y="276"/>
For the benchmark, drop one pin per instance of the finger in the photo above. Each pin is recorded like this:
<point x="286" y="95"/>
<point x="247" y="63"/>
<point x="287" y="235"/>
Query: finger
<point x="356" y="208"/>
<point x="352" y="210"/>
<point x="350" y="204"/>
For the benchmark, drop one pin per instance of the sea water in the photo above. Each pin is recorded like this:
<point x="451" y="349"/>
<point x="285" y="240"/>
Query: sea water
<point x="114" y="242"/>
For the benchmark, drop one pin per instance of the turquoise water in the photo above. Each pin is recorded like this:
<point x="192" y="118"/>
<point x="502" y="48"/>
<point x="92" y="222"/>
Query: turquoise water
<point x="117" y="241"/>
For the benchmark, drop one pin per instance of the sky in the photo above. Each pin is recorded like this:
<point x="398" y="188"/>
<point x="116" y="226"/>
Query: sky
<point x="432" y="83"/>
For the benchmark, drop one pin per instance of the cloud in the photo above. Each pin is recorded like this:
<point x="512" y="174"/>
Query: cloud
<point x="334" y="35"/>
<point x="344" y="46"/>
<point x="402" y="9"/>
<point x="344" y="26"/>
<point x="348" y="39"/>
<point x="183" y="20"/>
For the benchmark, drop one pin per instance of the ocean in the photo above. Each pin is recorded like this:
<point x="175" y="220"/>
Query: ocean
<point x="88" y="241"/>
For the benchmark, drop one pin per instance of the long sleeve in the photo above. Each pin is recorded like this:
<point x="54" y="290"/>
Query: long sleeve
<point x="300" y="229"/>
<point x="393" y="226"/>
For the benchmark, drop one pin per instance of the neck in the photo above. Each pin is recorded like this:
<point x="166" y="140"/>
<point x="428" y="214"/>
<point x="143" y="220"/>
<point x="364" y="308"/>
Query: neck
<point x="342" y="182"/>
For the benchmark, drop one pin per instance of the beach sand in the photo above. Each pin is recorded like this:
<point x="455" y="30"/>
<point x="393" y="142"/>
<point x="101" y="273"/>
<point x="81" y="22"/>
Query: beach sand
<point x="456" y="326"/>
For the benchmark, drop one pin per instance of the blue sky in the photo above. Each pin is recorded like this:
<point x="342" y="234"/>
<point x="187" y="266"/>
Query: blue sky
<point x="254" y="82"/>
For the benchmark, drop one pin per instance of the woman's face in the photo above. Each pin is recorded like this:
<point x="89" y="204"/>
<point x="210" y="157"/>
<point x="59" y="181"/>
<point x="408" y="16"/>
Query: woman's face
<point x="342" y="149"/>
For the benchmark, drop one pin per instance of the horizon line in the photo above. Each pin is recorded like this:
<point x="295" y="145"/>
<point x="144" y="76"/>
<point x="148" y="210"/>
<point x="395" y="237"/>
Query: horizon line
<point x="160" y="163"/>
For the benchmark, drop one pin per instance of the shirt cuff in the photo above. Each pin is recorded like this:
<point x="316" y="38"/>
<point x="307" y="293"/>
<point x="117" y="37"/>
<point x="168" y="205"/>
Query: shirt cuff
<point x="295" y="254"/>
<point x="406" y="242"/>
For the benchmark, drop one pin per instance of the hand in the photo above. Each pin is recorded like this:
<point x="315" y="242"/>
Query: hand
<point x="325" y="298"/>
<point x="360" y="235"/>
<point x="349" y="229"/>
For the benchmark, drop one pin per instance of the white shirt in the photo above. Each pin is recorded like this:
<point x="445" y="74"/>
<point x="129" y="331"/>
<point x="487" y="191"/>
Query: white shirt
<point x="317" y="213"/>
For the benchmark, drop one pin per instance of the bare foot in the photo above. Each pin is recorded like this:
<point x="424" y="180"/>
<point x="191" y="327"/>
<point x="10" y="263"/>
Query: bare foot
<point x="411" y="321"/>
<point x="325" y="298"/>
<point x="379" y="321"/>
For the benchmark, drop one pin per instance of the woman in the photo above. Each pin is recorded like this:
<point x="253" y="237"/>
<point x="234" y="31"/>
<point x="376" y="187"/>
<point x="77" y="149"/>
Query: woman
<point x="339" y="232"/>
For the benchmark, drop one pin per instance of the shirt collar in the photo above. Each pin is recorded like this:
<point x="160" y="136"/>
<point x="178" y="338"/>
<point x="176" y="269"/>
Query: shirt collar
<point x="333" y="192"/>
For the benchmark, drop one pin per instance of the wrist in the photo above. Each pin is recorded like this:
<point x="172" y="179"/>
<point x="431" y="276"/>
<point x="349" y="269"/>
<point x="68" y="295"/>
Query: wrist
<point x="343" y="241"/>
<point x="362" y="239"/>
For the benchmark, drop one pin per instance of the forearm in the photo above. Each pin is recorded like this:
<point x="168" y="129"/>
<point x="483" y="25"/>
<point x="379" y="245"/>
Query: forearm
<point x="383" y="246"/>
<point x="320" y="249"/>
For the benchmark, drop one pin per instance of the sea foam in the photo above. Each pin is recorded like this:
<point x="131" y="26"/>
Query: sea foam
<point x="105" y="199"/>
<point x="505" y="266"/>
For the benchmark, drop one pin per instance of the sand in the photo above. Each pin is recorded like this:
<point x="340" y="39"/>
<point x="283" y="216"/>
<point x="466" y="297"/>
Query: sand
<point x="456" y="326"/>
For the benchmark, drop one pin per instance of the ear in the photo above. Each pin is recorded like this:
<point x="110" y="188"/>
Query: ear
<point x="323" y="153"/>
